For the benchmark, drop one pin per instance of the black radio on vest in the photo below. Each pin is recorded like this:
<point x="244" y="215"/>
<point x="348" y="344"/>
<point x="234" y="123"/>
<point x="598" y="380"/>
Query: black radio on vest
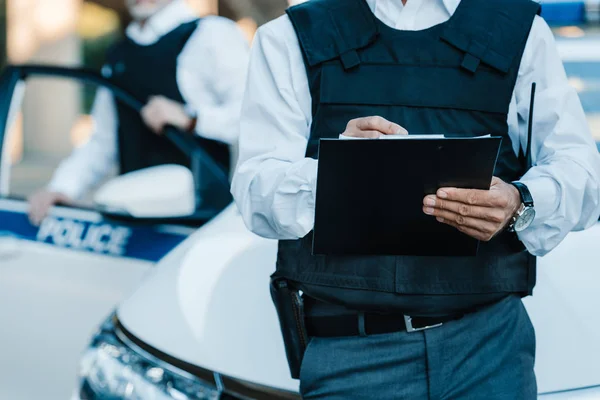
<point x="457" y="79"/>
<point x="145" y="71"/>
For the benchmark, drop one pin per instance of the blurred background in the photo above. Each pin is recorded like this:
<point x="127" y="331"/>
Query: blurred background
<point x="55" y="114"/>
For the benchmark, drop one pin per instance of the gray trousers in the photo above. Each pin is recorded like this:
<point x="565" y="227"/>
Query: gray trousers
<point x="486" y="355"/>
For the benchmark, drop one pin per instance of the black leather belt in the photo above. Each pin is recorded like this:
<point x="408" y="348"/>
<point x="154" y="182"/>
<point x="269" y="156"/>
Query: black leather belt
<point x="374" y="324"/>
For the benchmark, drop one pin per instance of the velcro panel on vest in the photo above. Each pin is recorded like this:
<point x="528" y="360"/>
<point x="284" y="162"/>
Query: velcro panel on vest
<point x="491" y="32"/>
<point x="328" y="29"/>
<point x="370" y="85"/>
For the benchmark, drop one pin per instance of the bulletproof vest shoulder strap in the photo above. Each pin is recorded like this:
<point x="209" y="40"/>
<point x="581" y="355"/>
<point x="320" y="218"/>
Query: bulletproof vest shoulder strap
<point x="491" y="32"/>
<point x="184" y="32"/>
<point x="328" y="29"/>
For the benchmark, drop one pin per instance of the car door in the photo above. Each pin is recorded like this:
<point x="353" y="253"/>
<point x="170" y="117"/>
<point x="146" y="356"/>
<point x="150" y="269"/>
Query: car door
<point x="59" y="279"/>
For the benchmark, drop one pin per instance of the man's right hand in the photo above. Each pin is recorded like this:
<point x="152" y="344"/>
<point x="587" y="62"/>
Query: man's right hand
<point x="372" y="128"/>
<point x="41" y="201"/>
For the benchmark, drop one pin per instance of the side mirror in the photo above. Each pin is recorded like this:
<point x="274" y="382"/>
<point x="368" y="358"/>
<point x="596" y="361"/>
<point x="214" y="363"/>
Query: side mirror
<point x="166" y="191"/>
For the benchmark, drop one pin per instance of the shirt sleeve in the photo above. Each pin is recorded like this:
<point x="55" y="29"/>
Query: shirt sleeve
<point x="211" y="74"/>
<point x="93" y="161"/>
<point x="565" y="178"/>
<point x="275" y="184"/>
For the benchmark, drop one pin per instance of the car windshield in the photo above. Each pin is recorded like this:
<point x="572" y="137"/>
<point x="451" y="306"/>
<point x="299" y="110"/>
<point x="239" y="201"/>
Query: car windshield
<point x="584" y="76"/>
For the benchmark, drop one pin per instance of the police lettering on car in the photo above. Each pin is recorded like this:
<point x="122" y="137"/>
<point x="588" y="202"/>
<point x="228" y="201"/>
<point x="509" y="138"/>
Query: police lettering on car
<point x="102" y="238"/>
<point x="396" y="327"/>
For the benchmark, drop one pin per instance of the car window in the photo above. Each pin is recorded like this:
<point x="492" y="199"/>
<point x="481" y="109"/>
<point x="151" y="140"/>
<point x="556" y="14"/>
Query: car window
<point x="584" y="76"/>
<point x="50" y="123"/>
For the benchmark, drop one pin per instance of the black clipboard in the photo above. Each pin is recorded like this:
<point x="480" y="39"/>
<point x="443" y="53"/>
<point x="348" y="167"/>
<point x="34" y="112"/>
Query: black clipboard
<point x="370" y="194"/>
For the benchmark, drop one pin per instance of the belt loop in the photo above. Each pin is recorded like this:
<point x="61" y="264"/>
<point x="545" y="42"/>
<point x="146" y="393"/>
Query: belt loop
<point x="361" y="325"/>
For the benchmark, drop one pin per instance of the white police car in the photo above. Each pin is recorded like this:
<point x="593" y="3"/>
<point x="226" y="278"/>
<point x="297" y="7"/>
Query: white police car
<point x="58" y="280"/>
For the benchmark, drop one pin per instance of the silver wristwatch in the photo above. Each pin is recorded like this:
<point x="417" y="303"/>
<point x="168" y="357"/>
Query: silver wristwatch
<point x="526" y="213"/>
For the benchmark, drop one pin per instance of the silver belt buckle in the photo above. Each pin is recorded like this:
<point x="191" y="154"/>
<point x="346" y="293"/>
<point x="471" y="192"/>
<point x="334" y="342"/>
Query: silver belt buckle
<point x="410" y="328"/>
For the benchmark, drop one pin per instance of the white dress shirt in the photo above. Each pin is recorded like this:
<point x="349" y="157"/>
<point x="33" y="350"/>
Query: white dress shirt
<point x="211" y="73"/>
<point x="274" y="185"/>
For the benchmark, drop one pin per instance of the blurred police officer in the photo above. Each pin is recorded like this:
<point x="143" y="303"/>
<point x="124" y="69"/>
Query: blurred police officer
<point x="192" y="74"/>
<point x="383" y="67"/>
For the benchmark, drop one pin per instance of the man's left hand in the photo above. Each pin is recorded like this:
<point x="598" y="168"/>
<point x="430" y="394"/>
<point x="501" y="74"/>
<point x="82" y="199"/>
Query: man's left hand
<point x="481" y="214"/>
<point x="161" y="111"/>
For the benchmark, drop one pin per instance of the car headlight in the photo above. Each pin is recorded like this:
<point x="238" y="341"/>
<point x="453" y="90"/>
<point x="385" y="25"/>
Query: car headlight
<point x="112" y="369"/>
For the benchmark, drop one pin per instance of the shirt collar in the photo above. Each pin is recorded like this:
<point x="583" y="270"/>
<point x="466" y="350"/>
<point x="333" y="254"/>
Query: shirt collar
<point x="161" y="23"/>
<point x="450" y="5"/>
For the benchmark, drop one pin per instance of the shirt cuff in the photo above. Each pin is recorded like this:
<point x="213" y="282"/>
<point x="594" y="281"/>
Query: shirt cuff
<point x="306" y="217"/>
<point x="294" y="201"/>
<point x="546" y="197"/>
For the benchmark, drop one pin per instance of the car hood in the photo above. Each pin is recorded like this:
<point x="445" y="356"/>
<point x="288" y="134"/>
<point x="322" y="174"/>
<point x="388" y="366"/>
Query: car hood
<point x="208" y="304"/>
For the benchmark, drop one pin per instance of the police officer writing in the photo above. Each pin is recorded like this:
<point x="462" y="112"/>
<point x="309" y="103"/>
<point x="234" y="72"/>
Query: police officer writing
<point x="398" y="327"/>
<point x="192" y="74"/>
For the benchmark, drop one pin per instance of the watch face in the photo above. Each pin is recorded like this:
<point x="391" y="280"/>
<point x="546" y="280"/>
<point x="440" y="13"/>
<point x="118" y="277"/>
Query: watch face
<point x="525" y="219"/>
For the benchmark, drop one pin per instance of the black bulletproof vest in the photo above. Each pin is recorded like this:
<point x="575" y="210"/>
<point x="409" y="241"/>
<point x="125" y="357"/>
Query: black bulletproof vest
<point x="146" y="71"/>
<point x="456" y="78"/>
